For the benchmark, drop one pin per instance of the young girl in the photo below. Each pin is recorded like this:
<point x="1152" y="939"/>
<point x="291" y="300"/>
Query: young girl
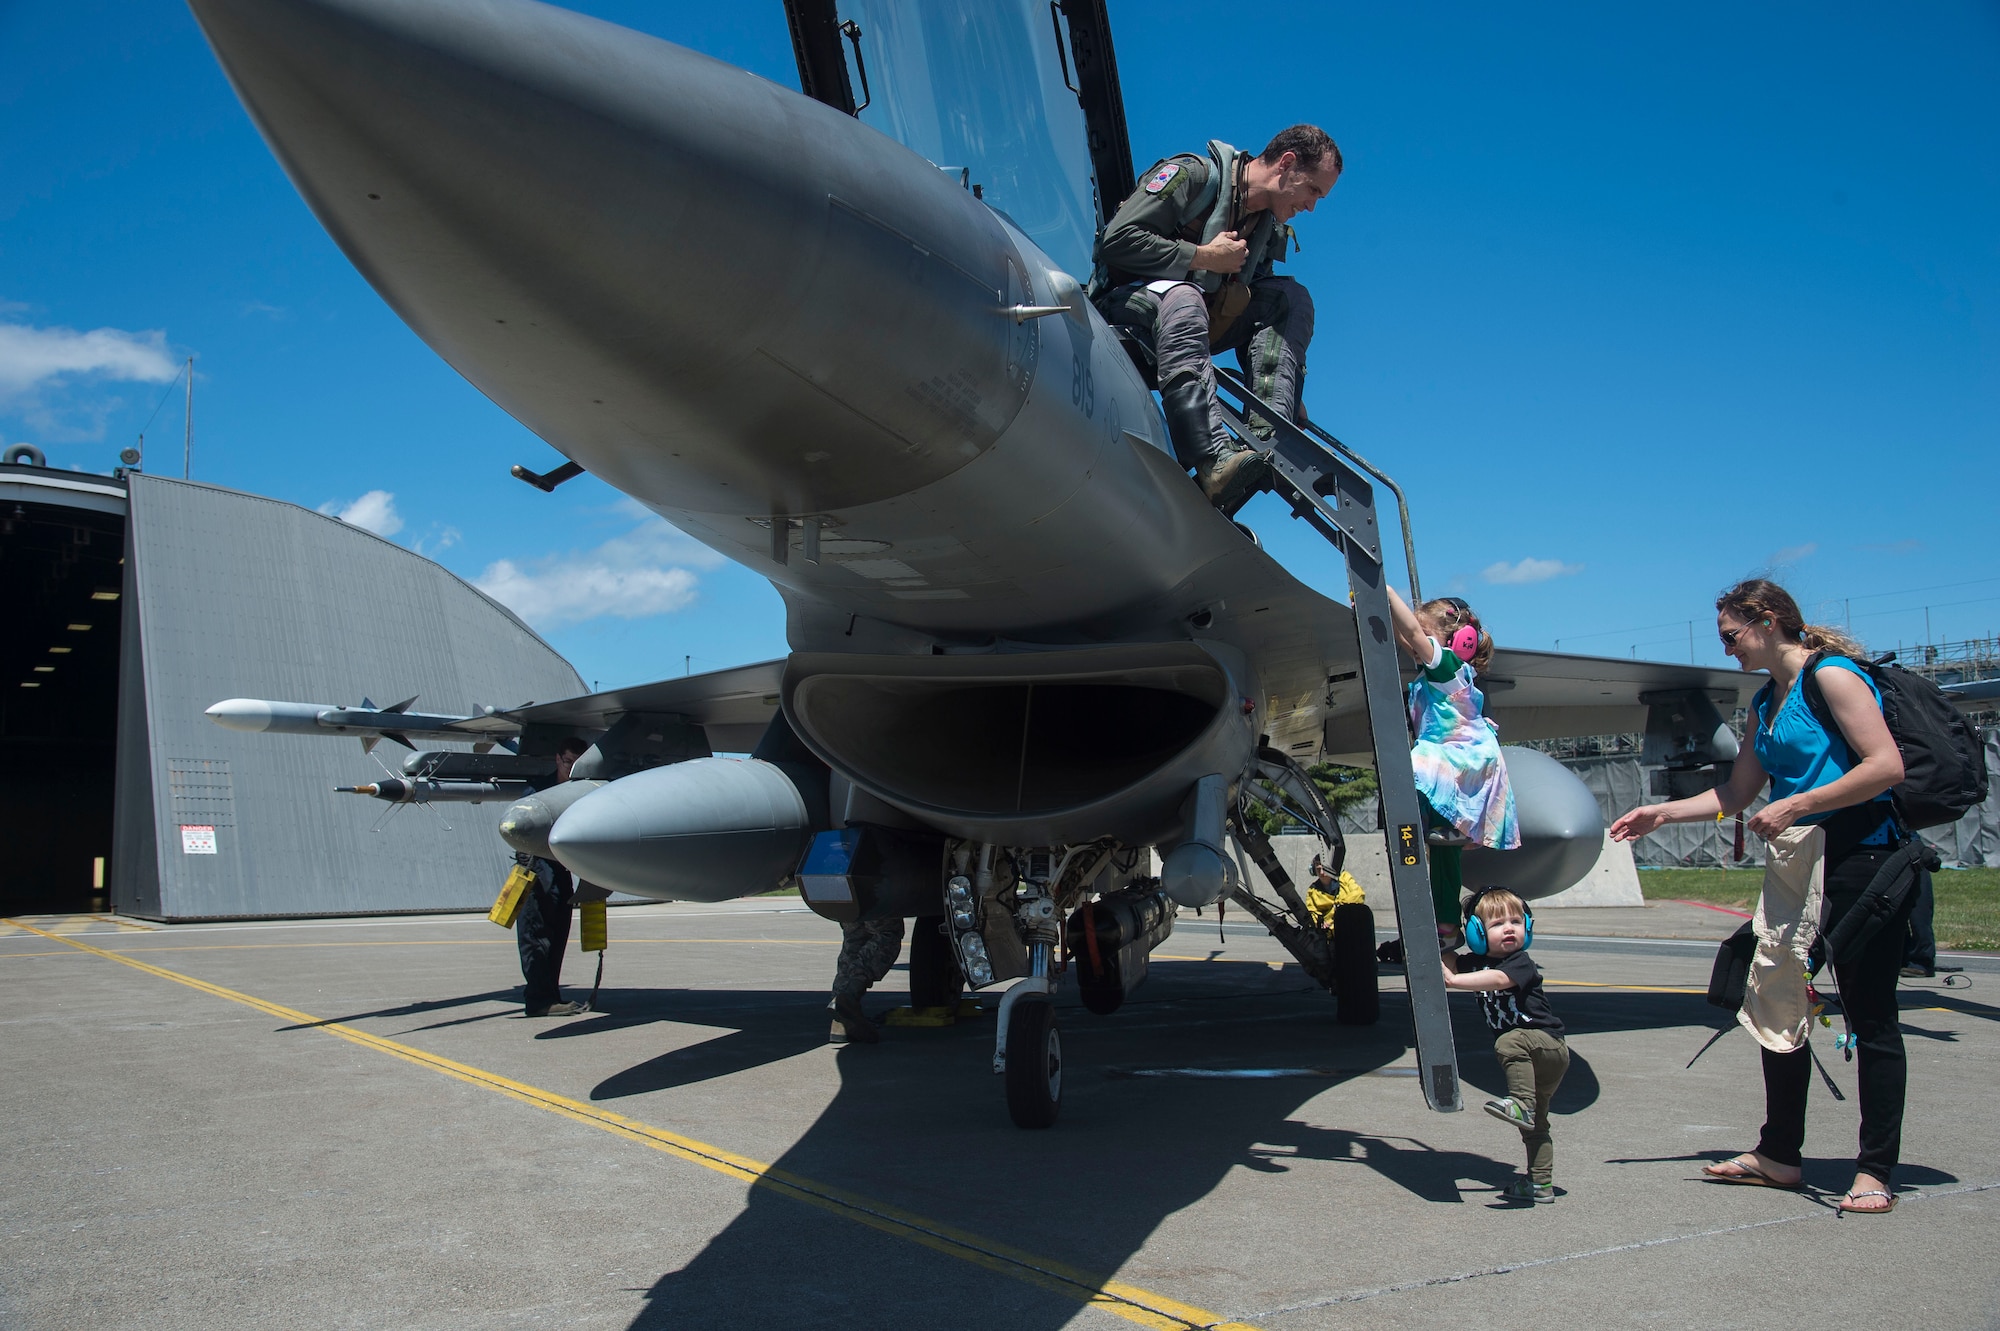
<point x="1456" y="756"/>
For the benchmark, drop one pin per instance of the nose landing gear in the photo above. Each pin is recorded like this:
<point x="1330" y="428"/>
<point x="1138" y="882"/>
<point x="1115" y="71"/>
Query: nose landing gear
<point x="1034" y="1062"/>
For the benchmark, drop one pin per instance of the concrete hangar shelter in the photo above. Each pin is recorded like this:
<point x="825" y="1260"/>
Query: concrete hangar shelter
<point x="134" y="602"/>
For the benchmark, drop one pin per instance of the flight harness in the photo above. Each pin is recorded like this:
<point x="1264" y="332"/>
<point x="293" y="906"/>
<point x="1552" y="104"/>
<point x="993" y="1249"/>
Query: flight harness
<point x="1228" y="294"/>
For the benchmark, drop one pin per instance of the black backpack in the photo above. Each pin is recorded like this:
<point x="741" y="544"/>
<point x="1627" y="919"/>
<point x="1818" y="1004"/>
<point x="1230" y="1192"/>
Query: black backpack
<point x="1944" y="766"/>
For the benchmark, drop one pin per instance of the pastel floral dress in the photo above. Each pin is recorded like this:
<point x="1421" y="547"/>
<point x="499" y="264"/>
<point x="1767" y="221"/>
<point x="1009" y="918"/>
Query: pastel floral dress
<point x="1457" y="755"/>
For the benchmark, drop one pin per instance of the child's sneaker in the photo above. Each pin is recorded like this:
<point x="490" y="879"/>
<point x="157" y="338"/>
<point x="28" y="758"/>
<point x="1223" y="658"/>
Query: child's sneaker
<point x="1509" y="1110"/>
<point x="1525" y="1189"/>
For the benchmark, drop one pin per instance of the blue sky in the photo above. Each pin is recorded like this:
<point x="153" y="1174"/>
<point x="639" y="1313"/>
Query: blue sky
<point x="1635" y="301"/>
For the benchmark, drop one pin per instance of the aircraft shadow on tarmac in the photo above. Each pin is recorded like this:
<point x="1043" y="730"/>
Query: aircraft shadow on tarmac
<point x="919" y="1122"/>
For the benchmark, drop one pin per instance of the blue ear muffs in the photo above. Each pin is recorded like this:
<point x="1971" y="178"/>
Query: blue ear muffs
<point x="1476" y="941"/>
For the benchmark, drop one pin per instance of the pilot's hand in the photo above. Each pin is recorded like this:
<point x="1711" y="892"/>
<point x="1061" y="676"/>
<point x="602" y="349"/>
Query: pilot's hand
<point x="1776" y="816"/>
<point x="1225" y="254"/>
<point x="1639" y="822"/>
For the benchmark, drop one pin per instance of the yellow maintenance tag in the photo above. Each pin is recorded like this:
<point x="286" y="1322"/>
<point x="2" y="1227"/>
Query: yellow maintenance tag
<point x="595" y="929"/>
<point x="508" y="904"/>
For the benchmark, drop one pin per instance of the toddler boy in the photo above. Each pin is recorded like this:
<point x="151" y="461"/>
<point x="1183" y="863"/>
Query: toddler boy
<point x="1528" y="1034"/>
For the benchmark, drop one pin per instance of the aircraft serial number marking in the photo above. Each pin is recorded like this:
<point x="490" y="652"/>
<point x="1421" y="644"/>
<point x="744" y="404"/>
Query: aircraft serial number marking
<point x="1082" y="389"/>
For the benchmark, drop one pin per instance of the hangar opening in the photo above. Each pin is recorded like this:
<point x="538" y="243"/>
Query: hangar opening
<point x="62" y="582"/>
<point x="134" y="602"/>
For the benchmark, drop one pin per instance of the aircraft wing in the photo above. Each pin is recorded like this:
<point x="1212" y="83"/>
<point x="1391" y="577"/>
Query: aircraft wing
<point x="733" y="706"/>
<point x="1548" y="695"/>
<point x="1974" y="695"/>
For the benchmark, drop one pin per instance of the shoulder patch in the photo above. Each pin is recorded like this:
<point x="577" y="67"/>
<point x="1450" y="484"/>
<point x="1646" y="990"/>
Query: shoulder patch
<point x="1163" y="178"/>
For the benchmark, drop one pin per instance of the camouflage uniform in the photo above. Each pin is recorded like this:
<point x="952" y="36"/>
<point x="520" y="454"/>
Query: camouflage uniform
<point x="868" y="949"/>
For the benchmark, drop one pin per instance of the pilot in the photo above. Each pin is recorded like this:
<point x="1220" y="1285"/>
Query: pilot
<point x="868" y="948"/>
<point x="1186" y="264"/>
<point x="541" y="929"/>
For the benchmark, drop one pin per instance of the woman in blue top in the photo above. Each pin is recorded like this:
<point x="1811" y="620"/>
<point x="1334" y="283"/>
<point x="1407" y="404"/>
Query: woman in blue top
<point x="1840" y="783"/>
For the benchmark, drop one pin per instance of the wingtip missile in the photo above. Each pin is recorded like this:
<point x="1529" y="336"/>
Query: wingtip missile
<point x="259" y="715"/>
<point x="369" y="722"/>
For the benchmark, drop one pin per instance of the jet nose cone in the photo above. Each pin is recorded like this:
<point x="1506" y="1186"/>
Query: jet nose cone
<point x="704" y="830"/>
<point x="659" y="261"/>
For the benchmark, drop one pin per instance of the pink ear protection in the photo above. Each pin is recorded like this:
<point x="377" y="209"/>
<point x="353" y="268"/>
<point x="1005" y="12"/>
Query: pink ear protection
<point x="1464" y="642"/>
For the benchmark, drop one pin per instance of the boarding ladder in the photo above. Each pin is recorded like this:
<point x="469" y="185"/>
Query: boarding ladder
<point x="1333" y="489"/>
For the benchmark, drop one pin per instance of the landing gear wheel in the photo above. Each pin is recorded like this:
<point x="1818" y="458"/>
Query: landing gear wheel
<point x="934" y="979"/>
<point x="1034" y="1062"/>
<point x="1354" y="982"/>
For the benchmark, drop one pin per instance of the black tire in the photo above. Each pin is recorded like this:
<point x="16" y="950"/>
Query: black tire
<point x="1034" y="1062"/>
<point x="1354" y="982"/>
<point x="934" y="978"/>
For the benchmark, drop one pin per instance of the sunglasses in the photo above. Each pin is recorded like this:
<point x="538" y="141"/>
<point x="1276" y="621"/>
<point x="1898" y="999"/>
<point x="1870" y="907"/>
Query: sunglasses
<point x="1728" y="636"/>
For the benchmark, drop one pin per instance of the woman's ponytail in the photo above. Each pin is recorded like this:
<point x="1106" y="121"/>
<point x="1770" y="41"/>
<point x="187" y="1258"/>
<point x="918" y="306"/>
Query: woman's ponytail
<point x="1824" y="638"/>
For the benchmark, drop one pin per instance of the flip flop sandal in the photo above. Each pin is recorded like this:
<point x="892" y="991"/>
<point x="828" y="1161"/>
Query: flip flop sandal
<point x="1867" y="1210"/>
<point x="1749" y="1176"/>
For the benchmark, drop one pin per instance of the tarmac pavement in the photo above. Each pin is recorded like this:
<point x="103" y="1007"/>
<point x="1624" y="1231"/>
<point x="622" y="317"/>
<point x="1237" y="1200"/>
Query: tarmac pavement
<point x="349" y="1123"/>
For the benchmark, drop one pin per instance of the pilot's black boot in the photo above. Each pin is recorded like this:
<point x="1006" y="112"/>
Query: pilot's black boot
<point x="1190" y="412"/>
<point x="1227" y="474"/>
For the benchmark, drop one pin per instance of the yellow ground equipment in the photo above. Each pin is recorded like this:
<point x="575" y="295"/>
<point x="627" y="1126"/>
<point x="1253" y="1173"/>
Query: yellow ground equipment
<point x="595" y="929"/>
<point x="1321" y="904"/>
<point x="508" y="904"/>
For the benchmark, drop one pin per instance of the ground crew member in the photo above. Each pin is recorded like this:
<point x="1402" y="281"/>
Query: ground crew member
<point x="541" y="930"/>
<point x="1186" y="263"/>
<point x="867" y="950"/>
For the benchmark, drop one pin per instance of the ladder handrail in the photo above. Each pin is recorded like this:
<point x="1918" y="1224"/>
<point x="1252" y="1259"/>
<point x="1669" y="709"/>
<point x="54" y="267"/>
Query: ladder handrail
<point x="1325" y="483"/>
<point x="1308" y="430"/>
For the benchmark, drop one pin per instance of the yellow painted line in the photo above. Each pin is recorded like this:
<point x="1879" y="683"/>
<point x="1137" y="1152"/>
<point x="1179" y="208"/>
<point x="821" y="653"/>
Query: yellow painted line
<point x="506" y="942"/>
<point x="1578" y="984"/>
<point x="1627" y="988"/>
<point x="1136" y="1305"/>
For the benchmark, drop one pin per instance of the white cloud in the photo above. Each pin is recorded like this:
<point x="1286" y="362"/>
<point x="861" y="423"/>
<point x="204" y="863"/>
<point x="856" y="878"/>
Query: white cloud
<point x="573" y="589"/>
<point x="32" y="358"/>
<point x="641" y="573"/>
<point x="1529" y="570"/>
<point x="1792" y="554"/>
<point x="374" y="511"/>
<point x="439" y="540"/>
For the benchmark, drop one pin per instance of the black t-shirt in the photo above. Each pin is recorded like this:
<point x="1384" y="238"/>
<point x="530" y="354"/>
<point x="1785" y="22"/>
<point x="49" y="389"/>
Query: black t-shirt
<point x="1523" y="1006"/>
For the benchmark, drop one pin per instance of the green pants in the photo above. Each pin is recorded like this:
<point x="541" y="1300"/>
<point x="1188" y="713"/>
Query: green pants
<point x="1447" y="883"/>
<point x="1534" y="1063"/>
<point x="1447" y="877"/>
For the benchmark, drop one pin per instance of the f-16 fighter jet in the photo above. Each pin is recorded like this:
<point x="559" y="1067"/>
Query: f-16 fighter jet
<point x="1028" y="657"/>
